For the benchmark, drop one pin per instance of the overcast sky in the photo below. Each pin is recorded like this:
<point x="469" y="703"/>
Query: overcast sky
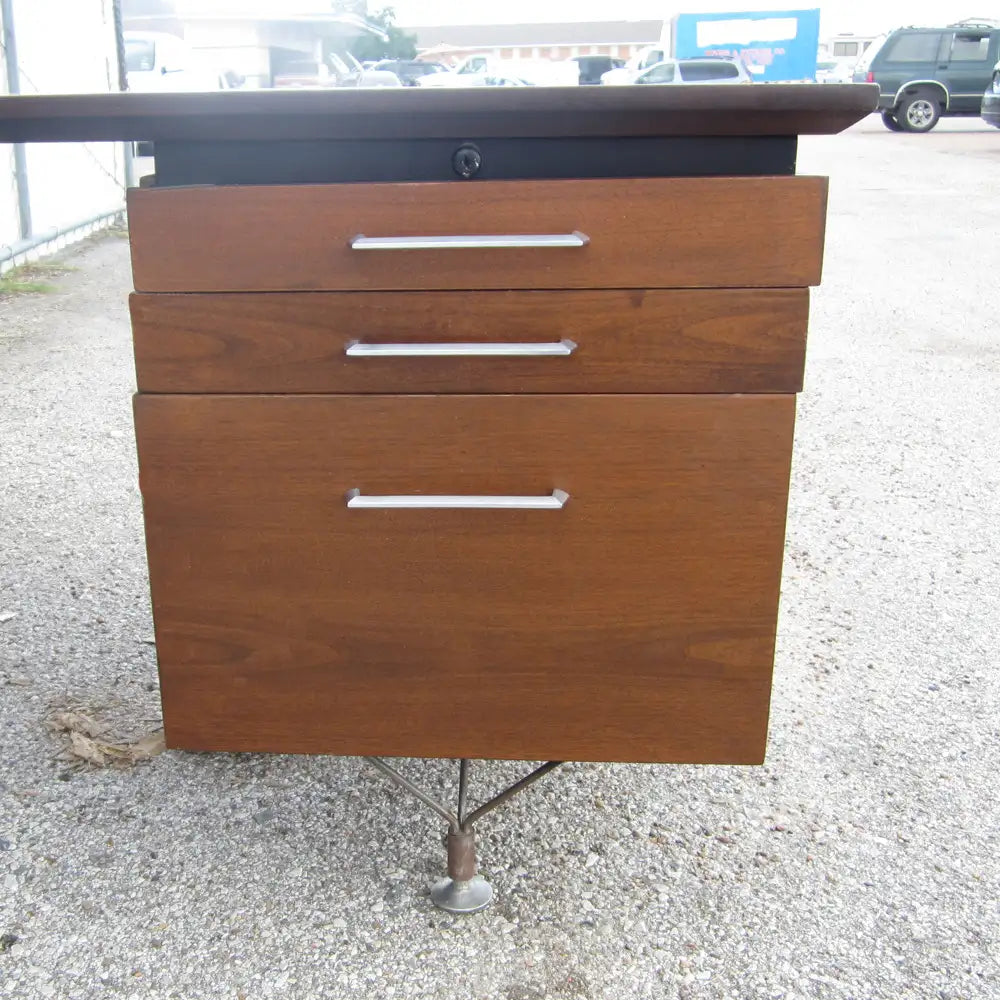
<point x="858" y="16"/>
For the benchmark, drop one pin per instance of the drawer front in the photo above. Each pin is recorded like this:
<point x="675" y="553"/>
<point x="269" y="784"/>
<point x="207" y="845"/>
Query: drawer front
<point x="506" y="342"/>
<point x="614" y="597"/>
<point x="633" y="233"/>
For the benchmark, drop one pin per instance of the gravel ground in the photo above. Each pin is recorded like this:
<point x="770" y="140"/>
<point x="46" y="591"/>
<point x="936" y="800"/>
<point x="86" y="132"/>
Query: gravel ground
<point x="860" y="862"/>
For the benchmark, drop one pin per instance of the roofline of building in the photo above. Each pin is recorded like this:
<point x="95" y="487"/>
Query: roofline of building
<point x="348" y="20"/>
<point x="647" y="31"/>
<point x="448" y="47"/>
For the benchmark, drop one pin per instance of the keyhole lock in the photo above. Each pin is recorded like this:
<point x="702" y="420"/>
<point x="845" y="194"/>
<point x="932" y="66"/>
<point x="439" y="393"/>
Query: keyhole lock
<point x="467" y="161"/>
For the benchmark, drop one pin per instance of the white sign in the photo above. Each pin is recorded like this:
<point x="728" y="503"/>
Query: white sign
<point x="746" y="31"/>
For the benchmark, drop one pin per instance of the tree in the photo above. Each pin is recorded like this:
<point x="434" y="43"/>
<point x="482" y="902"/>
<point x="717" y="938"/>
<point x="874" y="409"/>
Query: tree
<point x="399" y="45"/>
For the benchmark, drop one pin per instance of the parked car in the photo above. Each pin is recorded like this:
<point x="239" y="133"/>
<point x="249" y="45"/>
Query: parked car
<point x="410" y="71"/>
<point x="308" y="73"/>
<point x="831" y="71"/>
<point x="643" y="59"/>
<point x="476" y="70"/>
<point x="925" y="74"/>
<point x="991" y="100"/>
<point x="336" y="70"/>
<point x="681" y="71"/>
<point x="373" y="78"/>
<point x="592" y="68"/>
<point x="506" y="80"/>
<point x="157" y="61"/>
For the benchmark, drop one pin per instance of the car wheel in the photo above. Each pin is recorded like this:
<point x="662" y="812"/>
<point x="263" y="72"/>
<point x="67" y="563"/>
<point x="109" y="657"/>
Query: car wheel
<point x="889" y="121"/>
<point x="919" y="113"/>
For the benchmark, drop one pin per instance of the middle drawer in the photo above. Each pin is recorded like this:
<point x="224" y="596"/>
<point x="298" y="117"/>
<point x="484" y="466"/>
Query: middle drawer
<point x="605" y="340"/>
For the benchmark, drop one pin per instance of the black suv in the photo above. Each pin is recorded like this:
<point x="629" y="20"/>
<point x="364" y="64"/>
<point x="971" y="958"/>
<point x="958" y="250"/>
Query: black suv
<point x="924" y="73"/>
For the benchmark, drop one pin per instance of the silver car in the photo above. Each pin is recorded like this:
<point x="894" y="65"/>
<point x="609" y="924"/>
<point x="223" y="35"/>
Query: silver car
<point x="674" y="71"/>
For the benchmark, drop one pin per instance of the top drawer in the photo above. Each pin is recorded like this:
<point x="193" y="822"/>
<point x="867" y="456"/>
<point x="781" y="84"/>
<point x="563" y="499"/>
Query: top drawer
<point x="722" y="232"/>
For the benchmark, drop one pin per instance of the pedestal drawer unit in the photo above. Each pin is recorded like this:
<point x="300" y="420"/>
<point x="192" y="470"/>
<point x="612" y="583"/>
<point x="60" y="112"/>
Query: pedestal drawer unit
<point x="471" y="470"/>
<point x="464" y="418"/>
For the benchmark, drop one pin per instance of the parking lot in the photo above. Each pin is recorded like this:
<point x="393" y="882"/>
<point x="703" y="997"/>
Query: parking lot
<point x="859" y="862"/>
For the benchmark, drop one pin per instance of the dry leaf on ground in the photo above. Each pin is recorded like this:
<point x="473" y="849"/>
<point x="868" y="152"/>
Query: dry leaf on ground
<point x="148" y="747"/>
<point x="90" y="742"/>
<point x="84" y="748"/>
<point x="72" y="721"/>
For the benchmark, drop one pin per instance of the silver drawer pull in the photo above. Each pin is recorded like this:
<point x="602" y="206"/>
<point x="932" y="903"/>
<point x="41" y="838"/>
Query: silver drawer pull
<point x="362" y="242"/>
<point x="561" y="349"/>
<point x="554" y="502"/>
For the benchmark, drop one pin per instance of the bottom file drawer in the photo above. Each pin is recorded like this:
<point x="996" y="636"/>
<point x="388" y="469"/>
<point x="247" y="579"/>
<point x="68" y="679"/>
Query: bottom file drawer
<point x="613" y="596"/>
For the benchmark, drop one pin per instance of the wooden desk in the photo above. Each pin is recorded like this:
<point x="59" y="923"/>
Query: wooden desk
<point x="465" y="417"/>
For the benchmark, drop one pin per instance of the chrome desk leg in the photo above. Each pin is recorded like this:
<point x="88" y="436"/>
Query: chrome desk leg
<point x="463" y="891"/>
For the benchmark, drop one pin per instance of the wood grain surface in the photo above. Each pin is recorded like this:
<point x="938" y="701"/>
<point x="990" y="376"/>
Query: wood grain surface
<point x="626" y="341"/>
<point x="637" y="623"/>
<point x="446" y="113"/>
<point x="644" y="233"/>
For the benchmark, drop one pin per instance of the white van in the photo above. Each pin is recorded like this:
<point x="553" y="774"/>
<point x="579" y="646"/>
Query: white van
<point x="157" y="61"/>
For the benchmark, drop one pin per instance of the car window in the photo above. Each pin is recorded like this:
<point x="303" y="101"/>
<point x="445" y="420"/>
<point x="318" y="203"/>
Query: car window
<point x="913" y="46"/>
<point x="970" y="48"/>
<point x="845" y="48"/>
<point x="651" y="59"/>
<point x="694" y="72"/>
<point x="140" y="55"/>
<point x="868" y="56"/>
<point x="660" y="74"/>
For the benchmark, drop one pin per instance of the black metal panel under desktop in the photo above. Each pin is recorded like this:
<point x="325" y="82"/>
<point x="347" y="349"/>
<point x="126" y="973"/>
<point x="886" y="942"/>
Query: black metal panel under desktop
<point x="337" y="161"/>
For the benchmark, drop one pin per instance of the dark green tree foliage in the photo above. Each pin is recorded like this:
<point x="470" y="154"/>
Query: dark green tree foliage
<point x="399" y="46"/>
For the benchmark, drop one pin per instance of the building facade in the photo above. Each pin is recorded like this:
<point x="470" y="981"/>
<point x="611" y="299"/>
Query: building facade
<point x="250" y="39"/>
<point x="452" y="43"/>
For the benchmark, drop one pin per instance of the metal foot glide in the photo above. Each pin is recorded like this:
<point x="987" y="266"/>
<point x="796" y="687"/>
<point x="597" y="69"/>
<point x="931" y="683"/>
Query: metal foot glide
<point x="463" y="891"/>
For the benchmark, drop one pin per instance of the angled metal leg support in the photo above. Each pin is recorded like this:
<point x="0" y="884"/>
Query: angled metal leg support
<point x="463" y="891"/>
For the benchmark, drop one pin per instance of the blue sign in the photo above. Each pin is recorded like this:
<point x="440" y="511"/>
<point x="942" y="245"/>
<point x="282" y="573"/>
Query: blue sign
<point x="773" y="45"/>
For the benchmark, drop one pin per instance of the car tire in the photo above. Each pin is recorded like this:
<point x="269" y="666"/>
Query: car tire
<point x="918" y="113"/>
<point x="889" y="121"/>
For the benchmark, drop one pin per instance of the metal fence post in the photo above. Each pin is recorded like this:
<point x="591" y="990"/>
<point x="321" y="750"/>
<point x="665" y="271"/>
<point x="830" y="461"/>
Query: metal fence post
<point x="14" y="87"/>
<point x="127" y="149"/>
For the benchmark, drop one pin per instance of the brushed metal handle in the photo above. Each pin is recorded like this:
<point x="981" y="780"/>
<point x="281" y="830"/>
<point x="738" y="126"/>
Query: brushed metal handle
<point x="575" y="239"/>
<point x="561" y="348"/>
<point x="556" y="501"/>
